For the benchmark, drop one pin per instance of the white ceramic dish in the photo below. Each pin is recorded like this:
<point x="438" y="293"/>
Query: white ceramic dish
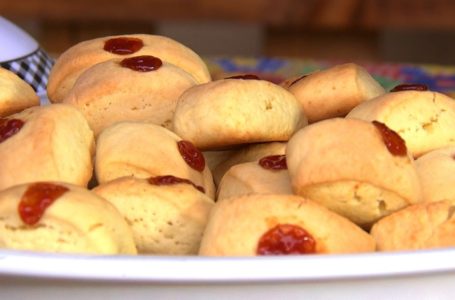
<point x="404" y="275"/>
<point x="19" y="43"/>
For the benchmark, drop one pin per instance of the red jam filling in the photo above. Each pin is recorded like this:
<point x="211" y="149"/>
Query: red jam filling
<point x="169" y="180"/>
<point x="244" y="77"/>
<point x="410" y="87"/>
<point x="192" y="156"/>
<point x="36" y="199"/>
<point x="286" y="239"/>
<point x="393" y="141"/>
<point x="274" y="162"/>
<point x="144" y="63"/>
<point x="9" y="127"/>
<point x="123" y="45"/>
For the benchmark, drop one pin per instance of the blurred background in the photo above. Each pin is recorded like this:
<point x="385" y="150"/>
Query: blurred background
<point x="414" y="31"/>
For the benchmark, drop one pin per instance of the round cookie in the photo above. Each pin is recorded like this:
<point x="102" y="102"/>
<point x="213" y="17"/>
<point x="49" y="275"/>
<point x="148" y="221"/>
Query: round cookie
<point x="60" y="217"/>
<point x="269" y="175"/>
<point x="333" y="92"/>
<point x="144" y="150"/>
<point x="359" y="169"/>
<point x="247" y="153"/>
<point x="15" y="94"/>
<point x="46" y="143"/>
<point x="74" y="61"/>
<point x="278" y="225"/>
<point x="167" y="216"/>
<point x="436" y="170"/>
<point x="424" y="119"/>
<point x="419" y="226"/>
<point x="234" y="111"/>
<point x="138" y="88"/>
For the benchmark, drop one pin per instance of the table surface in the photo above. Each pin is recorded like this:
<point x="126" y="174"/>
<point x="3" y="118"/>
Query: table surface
<point x="437" y="77"/>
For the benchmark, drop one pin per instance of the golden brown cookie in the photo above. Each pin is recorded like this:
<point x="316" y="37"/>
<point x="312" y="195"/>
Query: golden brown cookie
<point x="247" y="153"/>
<point x="359" y="169"/>
<point x="230" y="112"/>
<point x="138" y="88"/>
<point x="437" y="174"/>
<point x="167" y="214"/>
<point x="74" y="61"/>
<point x="50" y="143"/>
<point x="279" y="225"/>
<point x="144" y="150"/>
<point x="334" y="92"/>
<point x="15" y="94"/>
<point x="420" y="226"/>
<point x="424" y="119"/>
<point x="268" y="175"/>
<point x="60" y="217"/>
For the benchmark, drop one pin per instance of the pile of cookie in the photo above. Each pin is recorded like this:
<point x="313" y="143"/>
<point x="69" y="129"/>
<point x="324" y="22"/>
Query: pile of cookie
<point x="140" y="151"/>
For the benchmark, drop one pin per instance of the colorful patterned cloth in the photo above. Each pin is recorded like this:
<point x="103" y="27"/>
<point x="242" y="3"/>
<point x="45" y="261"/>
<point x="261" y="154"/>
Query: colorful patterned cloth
<point x="437" y="78"/>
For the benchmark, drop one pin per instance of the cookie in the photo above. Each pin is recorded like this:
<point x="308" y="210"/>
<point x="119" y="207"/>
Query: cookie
<point x="269" y="175"/>
<point x="436" y="170"/>
<point x="258" y="225"/>
<point x="359" y="169"/>
<point x="15" y="94"/>
<point x="252" y="152"/>
<point x="74" y="61"/>
<point x="235" y="111"/>
<point x="424" y="119"/>
<point x="46" y="143"/>
<point x="138" y="88"/>
<point x="64" y="218"/>
<point x="167" y="214"/>
<point x="144" y="150"/>
<point x="334" y="92"/>
<point x="417" y="227"/>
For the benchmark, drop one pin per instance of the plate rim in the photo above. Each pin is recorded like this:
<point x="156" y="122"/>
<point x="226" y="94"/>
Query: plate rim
<point x="196" y="269"/>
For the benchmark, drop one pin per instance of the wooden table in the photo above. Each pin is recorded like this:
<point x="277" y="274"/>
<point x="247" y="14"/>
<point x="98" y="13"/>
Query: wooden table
<point x="290" y="27"/>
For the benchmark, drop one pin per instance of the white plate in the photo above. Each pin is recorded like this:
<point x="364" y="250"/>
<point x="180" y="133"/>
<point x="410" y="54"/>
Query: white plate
<point x="405" y="275"/>
<point x="16" y="43"/>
